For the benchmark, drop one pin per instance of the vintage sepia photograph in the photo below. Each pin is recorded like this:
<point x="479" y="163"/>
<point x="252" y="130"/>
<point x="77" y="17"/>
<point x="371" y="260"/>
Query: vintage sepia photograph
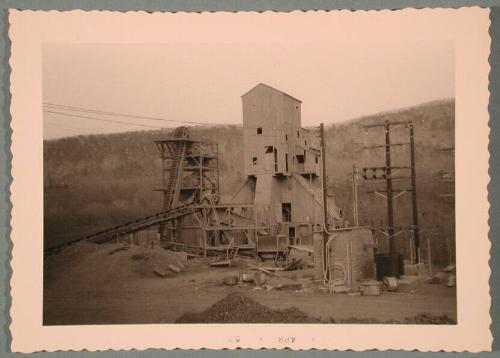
<point x="250" y="180"/>
<point x="249" y="183"/>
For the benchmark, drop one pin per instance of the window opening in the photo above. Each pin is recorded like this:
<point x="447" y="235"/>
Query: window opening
<point x="259" y="130"/>
<point x="291" y="236"/>
<point x="286" y="211"/>
<point x="275" y="160"/>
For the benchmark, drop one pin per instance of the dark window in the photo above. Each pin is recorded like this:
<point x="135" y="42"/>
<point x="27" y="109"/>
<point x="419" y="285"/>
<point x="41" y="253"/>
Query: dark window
<point x="286" y="137"/>
<point x="259" y="130"/>
<point x="254" y="160"/>
<point x="291" y="236"/>
<point x="305" y="142"/>
<point x="269" y="148"/>
<point x="286" y="211"/>
<point x="275" y="160"/>
<point x="286" y="162"/>
<point x="298" y="134"/>
<point x="316" y="160"/>
<point x="300" y="159"/>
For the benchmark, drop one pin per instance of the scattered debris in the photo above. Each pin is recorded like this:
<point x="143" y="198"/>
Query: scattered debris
<point x="223" y="263"/>
<point x="300" y="256"/>
<point x="268" y="272"/>
<point x="155" y="261"/>
<point x="160" y="272"/>
<point x="391" y="284"/>
<point x="294" y="264"/>
<point x="247" y="276"/>
<point x="260" y="278"/>
<point x="338" y="289"/>
<point x="440" y="277"/>
<point x="230" y="280"/>
<point x="450" y="268"/>
<point x="447" y="276"/>
<point x="289" y="286"/>
<point x="370" y="288"/>
<point x="174" y="268"/>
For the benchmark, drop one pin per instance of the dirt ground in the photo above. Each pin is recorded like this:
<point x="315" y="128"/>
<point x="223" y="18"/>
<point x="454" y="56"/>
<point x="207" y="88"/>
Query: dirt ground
<point x="98" y="284"/>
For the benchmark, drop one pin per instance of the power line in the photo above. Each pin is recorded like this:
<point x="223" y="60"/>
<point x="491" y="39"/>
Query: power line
<point x="96" y="111"/>
<point x="102" y="119"/>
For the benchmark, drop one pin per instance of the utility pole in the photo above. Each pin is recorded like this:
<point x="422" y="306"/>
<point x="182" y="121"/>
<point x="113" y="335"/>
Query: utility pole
<point x="416" y="233"/>
<point x="447" y="178"/>
<point x="325" y="204"/>
<point x="386" y="173"/>
<point x="355" y="195"/>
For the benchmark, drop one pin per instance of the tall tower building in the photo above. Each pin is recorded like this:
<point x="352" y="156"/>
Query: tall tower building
<point x="282" y="164"/>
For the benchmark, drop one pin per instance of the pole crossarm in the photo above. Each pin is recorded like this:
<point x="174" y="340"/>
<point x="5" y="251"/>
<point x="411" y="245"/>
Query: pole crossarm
<point x="386" y="145"/>
<point x="380" y="193"/>
<point x="385" y="233"/>
<point x="387" y="123"/>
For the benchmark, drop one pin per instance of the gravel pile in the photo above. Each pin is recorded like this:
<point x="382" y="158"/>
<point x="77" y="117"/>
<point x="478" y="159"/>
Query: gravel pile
<point x="237" y="308"/>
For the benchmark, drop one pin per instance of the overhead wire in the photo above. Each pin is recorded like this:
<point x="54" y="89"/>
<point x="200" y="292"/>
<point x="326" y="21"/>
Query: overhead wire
<point x="119" y="114"/>
<point x="103" y="119"/>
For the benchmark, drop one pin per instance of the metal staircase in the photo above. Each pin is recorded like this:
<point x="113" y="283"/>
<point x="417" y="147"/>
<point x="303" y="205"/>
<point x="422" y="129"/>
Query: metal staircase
<point x="172" y="187"/>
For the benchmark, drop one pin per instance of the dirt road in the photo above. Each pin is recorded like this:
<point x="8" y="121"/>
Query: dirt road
<point x="150" y="299"/>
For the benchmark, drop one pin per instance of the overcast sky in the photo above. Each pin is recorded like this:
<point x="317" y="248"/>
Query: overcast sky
<point x="336" y="80"/>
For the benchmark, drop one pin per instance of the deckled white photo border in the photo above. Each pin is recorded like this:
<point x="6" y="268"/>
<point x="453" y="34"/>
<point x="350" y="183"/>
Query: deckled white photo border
<point x="467" y="27"/>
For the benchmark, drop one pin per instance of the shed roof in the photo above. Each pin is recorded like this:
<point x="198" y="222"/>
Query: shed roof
<point x="272" y="88"/>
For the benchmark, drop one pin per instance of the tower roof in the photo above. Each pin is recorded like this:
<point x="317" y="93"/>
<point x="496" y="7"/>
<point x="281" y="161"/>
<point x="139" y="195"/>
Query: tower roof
<point x="272" y="88"/>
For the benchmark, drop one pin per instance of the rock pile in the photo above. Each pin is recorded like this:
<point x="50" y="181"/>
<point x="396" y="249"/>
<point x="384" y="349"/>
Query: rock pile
<point x="237" y="308"/>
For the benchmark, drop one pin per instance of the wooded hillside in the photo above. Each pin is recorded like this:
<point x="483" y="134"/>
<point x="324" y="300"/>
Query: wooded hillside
<point x="96" y="181"/>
